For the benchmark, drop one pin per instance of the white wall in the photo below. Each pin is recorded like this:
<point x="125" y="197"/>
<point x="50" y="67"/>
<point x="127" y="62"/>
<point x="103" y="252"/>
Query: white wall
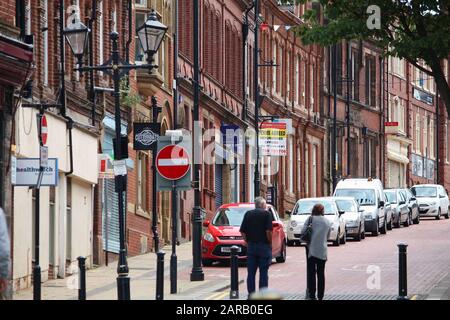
<point x="85" y="173"/>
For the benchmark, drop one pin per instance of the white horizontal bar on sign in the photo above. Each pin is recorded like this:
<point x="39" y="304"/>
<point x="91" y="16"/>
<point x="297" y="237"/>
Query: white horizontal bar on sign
<point x="173" y="162"/>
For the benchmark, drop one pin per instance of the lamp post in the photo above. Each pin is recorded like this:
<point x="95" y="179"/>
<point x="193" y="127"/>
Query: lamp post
<point x="150" y="36"/>
<point x="197" y="212"/>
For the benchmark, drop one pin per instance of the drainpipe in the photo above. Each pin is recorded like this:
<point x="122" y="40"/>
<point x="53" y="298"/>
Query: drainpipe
<point x="62" y="94"/>
<point x="245" y="30"/>
<point x="382" y="138"/>
<point x="130" y="34"/>
<point x="92" y="94"/>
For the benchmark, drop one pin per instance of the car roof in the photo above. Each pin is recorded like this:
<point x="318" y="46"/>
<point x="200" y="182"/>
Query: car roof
<point x="318" y="199"/>
<point x="345" y="198"/>
<point x="426" y="185"/>
<point x="240" y="205"/>
<point x="375" y="183"/>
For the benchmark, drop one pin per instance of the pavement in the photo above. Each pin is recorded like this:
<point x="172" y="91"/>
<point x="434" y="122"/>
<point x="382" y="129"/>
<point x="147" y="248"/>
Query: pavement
<point x="366" y="270"/>
<point x="101" y="281"/>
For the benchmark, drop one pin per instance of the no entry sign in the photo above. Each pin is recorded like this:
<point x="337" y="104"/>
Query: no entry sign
<point x="172" y="162"/>
<point x="44" y="129"/>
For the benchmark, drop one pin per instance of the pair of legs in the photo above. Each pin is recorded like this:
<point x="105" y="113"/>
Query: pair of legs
<point x="259" y="256"/>
<point x="315" y="274"/>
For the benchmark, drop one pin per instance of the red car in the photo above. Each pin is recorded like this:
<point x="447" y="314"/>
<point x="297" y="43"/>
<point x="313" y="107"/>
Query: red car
<point x="223" y="232"/>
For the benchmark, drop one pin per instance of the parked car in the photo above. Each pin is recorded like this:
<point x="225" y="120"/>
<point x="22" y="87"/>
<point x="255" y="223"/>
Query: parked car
<point x="301" y="213"/>
<point x="433" y="200"/>
<point x="353" y="217"/>
<point x="389" y="213"/>
<point x="223" y="232"/>
<point x="369" y="194"/>
<point x="413" y="206"/>
<point x="399" y="207"/>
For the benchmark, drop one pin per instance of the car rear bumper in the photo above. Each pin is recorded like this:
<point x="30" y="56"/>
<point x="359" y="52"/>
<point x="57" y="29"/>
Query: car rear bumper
<point x="370" y="225"/>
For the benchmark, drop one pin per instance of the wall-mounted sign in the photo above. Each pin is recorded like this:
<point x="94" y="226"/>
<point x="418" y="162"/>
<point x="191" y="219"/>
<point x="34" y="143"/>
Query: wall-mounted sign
<point x="145" y="135"/>
<point x="232" y="139"/>
<point x="272" y="138"/>
<point x="417" y="165"/>
<point x="27" y="172"/>
<point x="423" y="96"/>
<point x="391" y="127"/>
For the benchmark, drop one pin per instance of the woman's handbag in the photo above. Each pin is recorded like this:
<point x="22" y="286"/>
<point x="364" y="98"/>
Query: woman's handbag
<point x="306" y="236"/>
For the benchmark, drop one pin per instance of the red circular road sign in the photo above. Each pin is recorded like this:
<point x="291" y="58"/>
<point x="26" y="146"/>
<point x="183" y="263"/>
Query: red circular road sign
<point x="172" y="162"/>
<point x="44" y="129"/>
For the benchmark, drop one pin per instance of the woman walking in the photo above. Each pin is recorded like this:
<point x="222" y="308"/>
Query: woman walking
<point x="316" y="251"/>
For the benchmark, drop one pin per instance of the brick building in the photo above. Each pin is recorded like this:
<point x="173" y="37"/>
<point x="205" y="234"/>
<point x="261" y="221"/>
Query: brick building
<point x="360" y="109"/>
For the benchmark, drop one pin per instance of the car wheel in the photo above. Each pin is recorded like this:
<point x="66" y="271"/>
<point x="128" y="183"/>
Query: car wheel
<point x="384" y="228"/>
<point x="397" y="224"/>
<point x="363" y="234"/>
<point x="447" y="215"/>
<point x="406" y="223"/>
<point x="291" y="243"/>
<point x="439" y="215"/>
<point x="359" y="236"/>
<point x="282" y="257"/>
<point x="377" y="229"/>
<point x="344" y="238"/>
<point x="207" y="262"/>
<point x="389" y="226"/>
<point x="336" y="242"/>
<point x="416" y="220"/>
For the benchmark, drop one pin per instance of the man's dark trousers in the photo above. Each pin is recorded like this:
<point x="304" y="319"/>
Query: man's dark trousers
<point x="259" y="255"/>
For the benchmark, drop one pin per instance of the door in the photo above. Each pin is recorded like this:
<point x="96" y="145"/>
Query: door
<point x="276" y="233"/>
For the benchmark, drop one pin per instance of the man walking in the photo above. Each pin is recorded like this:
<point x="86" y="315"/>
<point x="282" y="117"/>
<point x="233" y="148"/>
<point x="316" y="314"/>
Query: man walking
<point x="4" y="257"/>
<point x="256" y="229"/>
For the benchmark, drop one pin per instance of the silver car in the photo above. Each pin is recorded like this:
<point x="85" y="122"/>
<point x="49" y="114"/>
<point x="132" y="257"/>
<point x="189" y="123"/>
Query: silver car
<point x="353" y="217"/>
<point x="400" y="209"/>
<point x="302" y="212"/>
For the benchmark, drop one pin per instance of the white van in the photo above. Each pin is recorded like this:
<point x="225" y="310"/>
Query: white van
<point x="370" y="196"/>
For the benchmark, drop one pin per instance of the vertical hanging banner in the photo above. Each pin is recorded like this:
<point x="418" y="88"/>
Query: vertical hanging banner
<point x="273" y="138"/>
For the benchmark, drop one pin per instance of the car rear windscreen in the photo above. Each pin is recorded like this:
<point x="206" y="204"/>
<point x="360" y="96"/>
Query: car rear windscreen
<point x="365" y="197"/>
<point x="230" y="217"/>
<point x="424" y="192"/>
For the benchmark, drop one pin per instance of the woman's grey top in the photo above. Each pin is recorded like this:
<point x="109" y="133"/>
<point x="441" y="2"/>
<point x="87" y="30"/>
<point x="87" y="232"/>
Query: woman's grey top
<point x="321" y="229"/>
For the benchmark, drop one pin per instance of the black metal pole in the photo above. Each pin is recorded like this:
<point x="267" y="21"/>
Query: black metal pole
<point x="156" y="111"/>
<point x="234" y="285"/>
<point x="37" y="201"/>
<point x="37" y="267"/>
<point x="160" y="275"/>
<point x="173" y="256"/>
<point x="402" y="275"/>
<point x="436" y="143"/>
<point x="82" y="278"/>
<point x="257" y="178"/>
<point x="334" y="140"/>
<point x="347" y="105"/>
<point x="123" y="281"/>
<point x="197" y="212"/>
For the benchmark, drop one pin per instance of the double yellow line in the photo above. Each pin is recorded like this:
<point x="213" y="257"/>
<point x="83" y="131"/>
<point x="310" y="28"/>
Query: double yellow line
<point x="218" y="295"/>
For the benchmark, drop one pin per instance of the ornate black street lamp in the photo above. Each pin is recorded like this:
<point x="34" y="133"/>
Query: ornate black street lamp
<point x="150" y="36"/>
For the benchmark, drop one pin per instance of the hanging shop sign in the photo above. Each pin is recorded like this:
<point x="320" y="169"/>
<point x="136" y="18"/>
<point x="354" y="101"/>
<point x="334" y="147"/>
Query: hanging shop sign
<point x="145" y="135"/>
<point x="273" y="138"/>
<point x="27" y="172"/>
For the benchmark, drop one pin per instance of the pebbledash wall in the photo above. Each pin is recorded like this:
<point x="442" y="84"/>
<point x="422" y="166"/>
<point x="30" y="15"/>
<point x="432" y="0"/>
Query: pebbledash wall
<point x="65" y="210"/>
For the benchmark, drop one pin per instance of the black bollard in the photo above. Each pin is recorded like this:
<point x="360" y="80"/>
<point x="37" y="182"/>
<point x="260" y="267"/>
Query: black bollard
<point x="234" y="288"/>
<point x="82" y="278"/>
<point x="160" y="275"/>
<point x="402" y="272"/>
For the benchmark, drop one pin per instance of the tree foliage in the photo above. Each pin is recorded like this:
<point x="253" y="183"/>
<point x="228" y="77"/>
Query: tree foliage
<point x="414" y="30"/>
